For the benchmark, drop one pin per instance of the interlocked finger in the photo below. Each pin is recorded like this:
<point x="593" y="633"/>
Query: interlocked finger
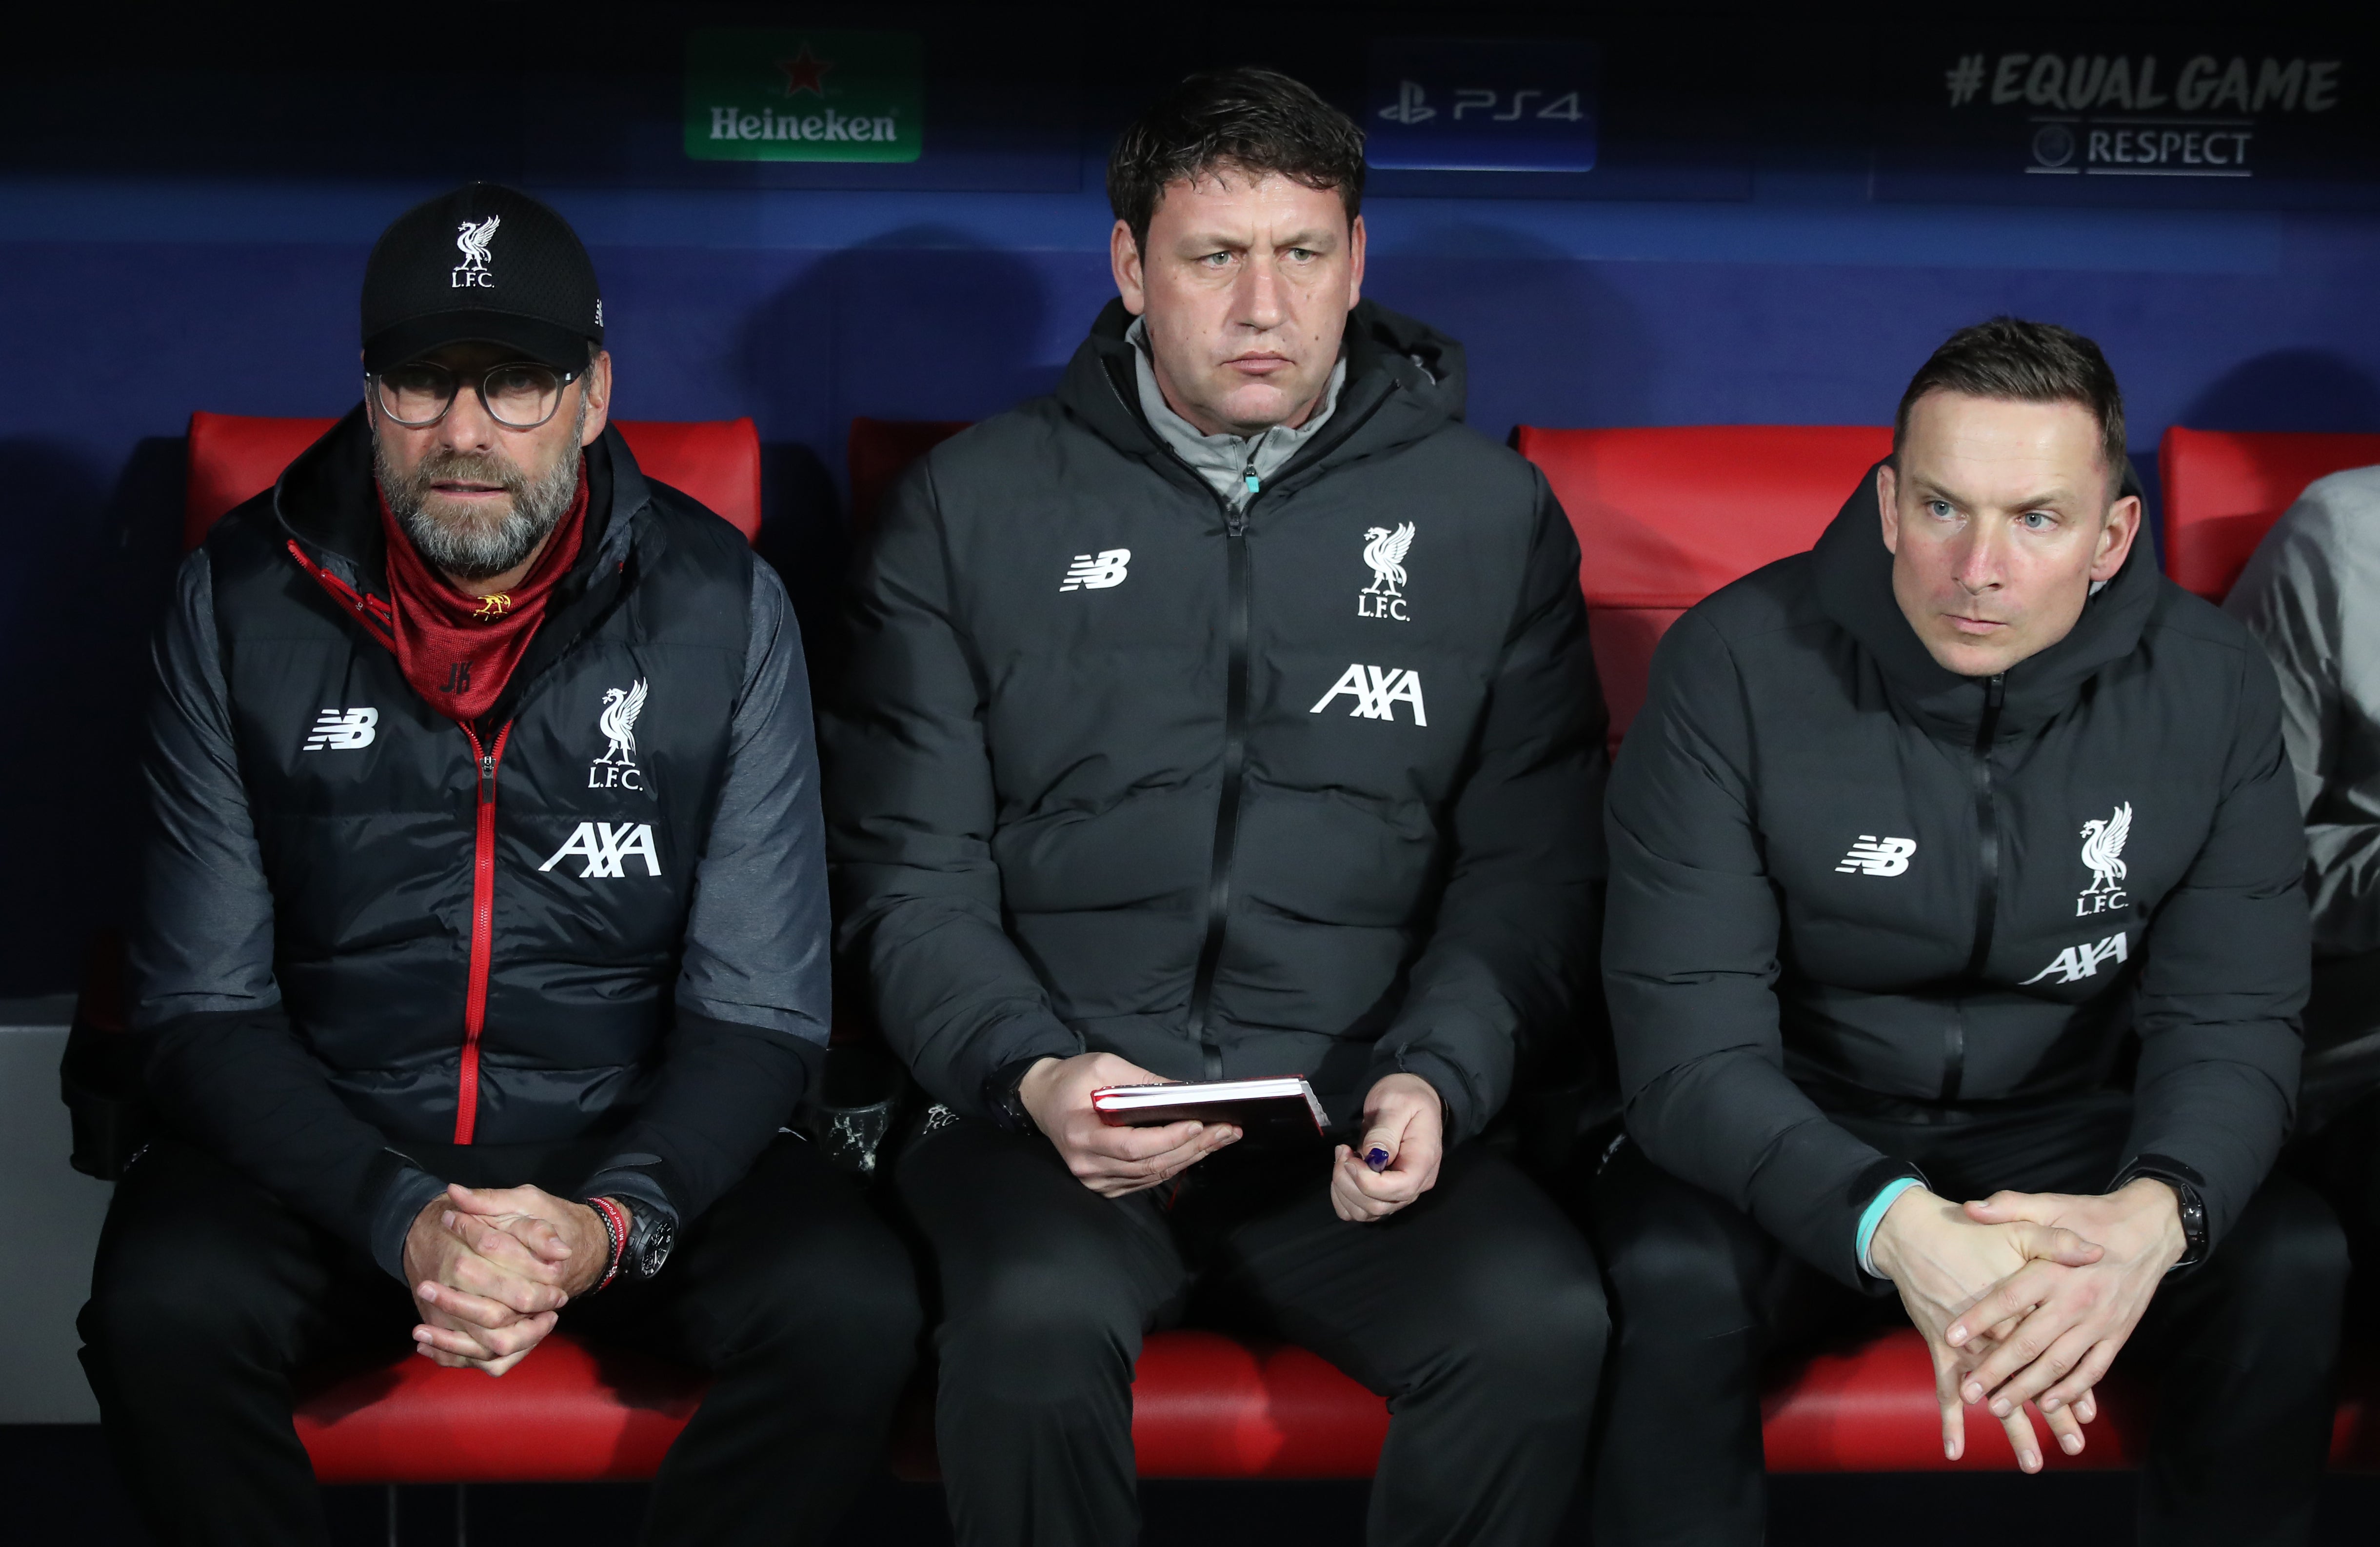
<point x="2021" y="1440"/>
<point x="2046" y="1369"/>
<point x="506" y="1243"/>
<point x="2066" y="1429"/>
<point x="2077" y="1388"/>
<point x="1945" y="1394"/>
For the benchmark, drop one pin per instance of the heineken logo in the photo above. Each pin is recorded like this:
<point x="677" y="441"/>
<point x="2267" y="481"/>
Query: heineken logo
<point x="778" y="94"/>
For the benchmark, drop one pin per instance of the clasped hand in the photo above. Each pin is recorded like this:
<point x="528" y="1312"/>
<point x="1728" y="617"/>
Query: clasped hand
<point x="1403" y="1130"/>
<point x="2027" y="1297"/>
<point x="491" y="1268"/>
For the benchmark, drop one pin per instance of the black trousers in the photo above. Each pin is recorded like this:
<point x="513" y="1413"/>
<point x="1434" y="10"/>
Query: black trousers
<point x="1476" y="1312"/>
<point x="2242" y="1345"/>
<point x="798" y="1301"/>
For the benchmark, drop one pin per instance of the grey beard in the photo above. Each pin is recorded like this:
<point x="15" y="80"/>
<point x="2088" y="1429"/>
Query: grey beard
<point x="477" y="547"/>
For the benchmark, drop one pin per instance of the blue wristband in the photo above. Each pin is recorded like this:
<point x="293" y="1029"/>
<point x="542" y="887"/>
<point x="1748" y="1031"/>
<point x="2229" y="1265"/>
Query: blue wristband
<point x="1873" y="1215"/>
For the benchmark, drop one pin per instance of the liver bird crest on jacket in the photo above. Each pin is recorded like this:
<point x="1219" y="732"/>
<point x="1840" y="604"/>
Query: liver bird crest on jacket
<point x="1385" y="551"/>
<point x="2103" y="849"/>
<point x="471" y="240"/>
<point x="618" y="721"/>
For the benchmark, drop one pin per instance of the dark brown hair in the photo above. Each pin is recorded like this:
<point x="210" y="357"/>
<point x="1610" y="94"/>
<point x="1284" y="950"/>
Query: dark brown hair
<point x="1246" y="119"/>
<point x="2017" y="361"/>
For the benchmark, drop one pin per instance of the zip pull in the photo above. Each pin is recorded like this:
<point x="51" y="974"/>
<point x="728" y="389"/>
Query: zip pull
<point x="1248" y="475"/>
<point x="1988" y="727"/>
<point x="487" y="777"/>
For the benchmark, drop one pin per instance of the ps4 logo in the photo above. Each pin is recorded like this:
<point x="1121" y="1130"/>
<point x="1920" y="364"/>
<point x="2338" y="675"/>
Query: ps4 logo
<point x="1413" y="104"/>
<point x="1482" y="104"/>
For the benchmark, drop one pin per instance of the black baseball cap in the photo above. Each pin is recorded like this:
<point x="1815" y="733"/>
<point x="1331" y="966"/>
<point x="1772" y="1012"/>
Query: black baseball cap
<point x="487" y="264"/>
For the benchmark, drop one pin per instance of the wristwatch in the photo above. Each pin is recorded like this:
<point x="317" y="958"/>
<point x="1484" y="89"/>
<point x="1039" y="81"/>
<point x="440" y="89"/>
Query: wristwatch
<point x="2185" y="1183"/>
<point x="650" y="1235"/>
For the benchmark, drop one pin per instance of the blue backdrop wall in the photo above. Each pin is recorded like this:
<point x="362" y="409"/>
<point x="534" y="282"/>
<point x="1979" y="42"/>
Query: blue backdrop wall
<point x="135" y="295"/>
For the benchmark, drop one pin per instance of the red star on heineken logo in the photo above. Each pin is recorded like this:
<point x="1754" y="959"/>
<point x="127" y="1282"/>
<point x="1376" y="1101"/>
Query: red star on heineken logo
<point x="806" y="72"/>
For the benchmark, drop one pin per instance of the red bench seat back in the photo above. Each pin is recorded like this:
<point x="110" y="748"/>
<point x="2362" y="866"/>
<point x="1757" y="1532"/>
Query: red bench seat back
<point x="235" y="457"/>
<point x="2224" y="490"/>
<point x="1666" y="517"/>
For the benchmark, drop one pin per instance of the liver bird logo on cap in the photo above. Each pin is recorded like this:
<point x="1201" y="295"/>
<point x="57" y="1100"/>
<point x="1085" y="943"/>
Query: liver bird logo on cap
<point x="471" y="240"/>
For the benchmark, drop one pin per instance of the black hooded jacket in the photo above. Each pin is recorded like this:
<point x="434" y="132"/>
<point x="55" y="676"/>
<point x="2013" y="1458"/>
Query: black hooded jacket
<point x="1227" y="811"/>
<point x="1846" y="880"/>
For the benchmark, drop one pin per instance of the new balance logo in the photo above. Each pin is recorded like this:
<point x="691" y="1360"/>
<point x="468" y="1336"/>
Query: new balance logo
<point x="2083" y="961"/>
<point x="1875" y="856"/>
<point x="343" y="730"/>
<point x="1377" y="692"/>
<point x="1096" y="571"/>
<point x="606" y="848"/>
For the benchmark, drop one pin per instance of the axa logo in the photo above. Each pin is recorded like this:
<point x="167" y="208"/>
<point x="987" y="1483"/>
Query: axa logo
<point x="616" y="769"/>
<point x="343" y="730"/>
<point x="1098" y="571"/>
<point x="607" y="847"/>
<point x="1385" y="551"/>
<point x="471" y="240"/>
<point x="2077" y="962"/>
<point x="1377" y="691"/>
<point x="1875" y="856"/>
<point x="2103" y="851"/>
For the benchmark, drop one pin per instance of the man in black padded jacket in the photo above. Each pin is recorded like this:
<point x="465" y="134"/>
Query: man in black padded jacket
<point x="484" y="938"/>
<point x="1959" y="856"/>
<point x="1231" y="714"/>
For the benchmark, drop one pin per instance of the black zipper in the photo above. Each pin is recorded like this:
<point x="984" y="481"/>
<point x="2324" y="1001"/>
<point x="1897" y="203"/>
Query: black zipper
<point x="1235" y="761"/>
<point x="1235" y="726"/>
<point x="1987" y="881"/>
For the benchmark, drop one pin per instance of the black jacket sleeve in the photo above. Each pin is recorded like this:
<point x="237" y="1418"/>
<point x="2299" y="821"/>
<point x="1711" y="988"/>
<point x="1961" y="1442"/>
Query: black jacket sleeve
<point x="2229" y="961"/>
<point x="1690" y="963"/>
<point x="753" y="988"/>
<point x="913" y="812"/>
<point x="1512" y="950"/>
<point x="226" y="1069"/>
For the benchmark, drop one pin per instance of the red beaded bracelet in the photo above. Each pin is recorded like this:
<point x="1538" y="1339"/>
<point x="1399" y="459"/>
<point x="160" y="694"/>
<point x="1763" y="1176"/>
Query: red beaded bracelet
<point x="615" y="1224"/>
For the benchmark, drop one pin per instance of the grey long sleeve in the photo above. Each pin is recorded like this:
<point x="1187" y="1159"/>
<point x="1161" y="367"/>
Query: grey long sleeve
<point x="2311" y="595"/>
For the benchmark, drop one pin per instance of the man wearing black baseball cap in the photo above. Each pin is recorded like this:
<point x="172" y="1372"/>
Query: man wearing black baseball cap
<point x="483" y="947"/>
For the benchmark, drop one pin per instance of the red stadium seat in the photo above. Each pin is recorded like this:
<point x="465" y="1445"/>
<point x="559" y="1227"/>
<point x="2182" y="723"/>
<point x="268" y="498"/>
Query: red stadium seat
<point x="236" y="457"/>
<point x="1203" y="1406"/>
<point x="564" y="1414"/>
<point x="1870" y="1407"/>
<point x="1666" y="517"/>
<point x="2225" y="489"/>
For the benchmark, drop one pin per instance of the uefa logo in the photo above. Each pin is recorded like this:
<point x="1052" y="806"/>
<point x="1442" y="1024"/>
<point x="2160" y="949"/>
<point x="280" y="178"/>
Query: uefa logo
<point x="2053" y="145"/>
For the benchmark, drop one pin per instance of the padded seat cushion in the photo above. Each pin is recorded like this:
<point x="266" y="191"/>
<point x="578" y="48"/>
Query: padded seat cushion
<point x="1203" y="1406"/>
<point x="564" y="1414"/>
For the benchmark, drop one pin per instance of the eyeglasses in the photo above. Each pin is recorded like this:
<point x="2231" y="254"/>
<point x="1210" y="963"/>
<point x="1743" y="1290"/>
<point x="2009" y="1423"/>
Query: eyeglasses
<point x="520" y="396"/>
